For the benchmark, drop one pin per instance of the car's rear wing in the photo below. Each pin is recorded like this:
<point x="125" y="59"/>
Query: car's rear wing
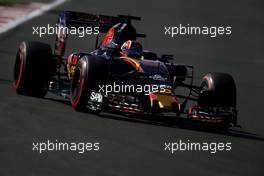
<point x="68" y="19"/>
<point x="104" y="22"/>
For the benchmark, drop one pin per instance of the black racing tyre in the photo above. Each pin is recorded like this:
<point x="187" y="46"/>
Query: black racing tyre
<point x="90" y="72"/>
<point x="34" y="66"/>
<point x="219" y="90"/>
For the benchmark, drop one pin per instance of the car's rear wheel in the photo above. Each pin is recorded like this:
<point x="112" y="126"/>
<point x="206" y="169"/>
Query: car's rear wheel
<point x="34" y="66"/>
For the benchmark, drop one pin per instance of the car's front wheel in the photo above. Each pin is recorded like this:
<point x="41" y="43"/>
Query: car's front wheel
<point x="218" y="97"/>
<point x="90" y="72"/>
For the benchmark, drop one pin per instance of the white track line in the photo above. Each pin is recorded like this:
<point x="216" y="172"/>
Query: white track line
<point x="31" y="15"/>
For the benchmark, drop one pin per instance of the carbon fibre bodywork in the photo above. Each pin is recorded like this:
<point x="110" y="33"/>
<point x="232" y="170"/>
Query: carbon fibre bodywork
<point x="80" y="77"/>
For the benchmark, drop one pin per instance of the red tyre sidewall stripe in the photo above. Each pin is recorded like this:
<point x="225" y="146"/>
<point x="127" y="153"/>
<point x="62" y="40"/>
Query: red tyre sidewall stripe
<point x="75" y="103"/>
<point x="21" y="66"/>
<point x="209" y="81"/>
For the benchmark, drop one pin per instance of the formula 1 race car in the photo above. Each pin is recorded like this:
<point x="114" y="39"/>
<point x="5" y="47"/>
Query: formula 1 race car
<point x="96" y="80"/>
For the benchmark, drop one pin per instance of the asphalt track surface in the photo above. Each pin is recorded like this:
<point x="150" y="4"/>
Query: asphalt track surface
<point x="136" y="146"/>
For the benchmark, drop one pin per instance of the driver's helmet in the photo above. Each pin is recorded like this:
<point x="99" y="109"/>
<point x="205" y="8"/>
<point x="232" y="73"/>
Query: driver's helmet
<point x="131" y="48"/>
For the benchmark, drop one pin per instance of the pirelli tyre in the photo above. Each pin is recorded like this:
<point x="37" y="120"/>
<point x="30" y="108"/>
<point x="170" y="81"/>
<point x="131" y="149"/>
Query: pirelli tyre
<point x="34" y="65"/>
<point x="221" y="88"/>
<point x="90" y="72"/>
<point x="218" y="90"/>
